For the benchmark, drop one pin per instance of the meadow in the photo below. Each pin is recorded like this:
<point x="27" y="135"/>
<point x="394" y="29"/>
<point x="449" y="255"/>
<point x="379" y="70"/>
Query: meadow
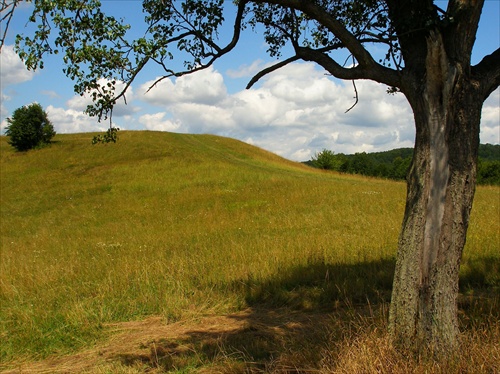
<point x="181" y="227"/>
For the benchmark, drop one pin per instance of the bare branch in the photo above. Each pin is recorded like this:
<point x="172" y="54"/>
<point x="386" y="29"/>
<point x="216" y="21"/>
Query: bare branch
<point x="8" y="8"/>
<point x="356" y="97"/>
<point x="354" y="85"/>
<point x="270" y="69"/>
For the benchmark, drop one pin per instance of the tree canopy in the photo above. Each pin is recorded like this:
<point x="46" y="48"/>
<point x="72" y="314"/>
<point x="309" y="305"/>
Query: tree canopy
<point x="98" y="52"/>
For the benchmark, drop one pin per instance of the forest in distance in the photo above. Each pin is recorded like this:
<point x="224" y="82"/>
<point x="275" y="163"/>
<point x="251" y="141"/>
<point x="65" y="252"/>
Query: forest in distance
<point x="394" y="164"/>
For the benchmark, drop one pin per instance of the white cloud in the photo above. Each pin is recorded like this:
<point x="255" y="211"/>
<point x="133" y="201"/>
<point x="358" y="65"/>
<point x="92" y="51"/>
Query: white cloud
<point x="12" y="69"/>
<point x="71" y="121"/>
<point x="490" y="119"/>
<point x="312" y="115"/>
<point x="121" y="109"/>
<point x="256" y="109"/>
<point x="302" y="154"/>
<point x="12" y="72"/>
<point x="304" y="85"/>
<point x="157" y="122"/>
<point x="295" y="112"/>
<point x="490" y="135"/>
<point x="3" y="109"/>
<point x="201" y="118"/>
<point x="203" y="87"/>
<point x="3" y="125"/>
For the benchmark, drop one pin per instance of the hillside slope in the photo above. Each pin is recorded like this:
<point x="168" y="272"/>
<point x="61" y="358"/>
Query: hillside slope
<point x="180" y="226"/>
<point x="137" y="146"/>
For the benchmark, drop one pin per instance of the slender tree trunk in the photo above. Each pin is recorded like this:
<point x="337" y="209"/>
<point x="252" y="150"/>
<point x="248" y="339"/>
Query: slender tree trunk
<point x="441" y="186"/>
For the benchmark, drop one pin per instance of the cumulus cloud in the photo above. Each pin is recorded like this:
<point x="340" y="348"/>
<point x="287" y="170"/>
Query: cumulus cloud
<point x="71" y="121"/>
<point x="123" y="107"/>
<point x="157" y="122"/>
<point x="490" y="119"/>
<point x="295" y="112"/>
<point x="4" y="112"/>
<point x="3" y="125"/>
<point x="204" y="87"/>
<point x="257" y="109"/>
<point x="12" y="69"/>
<point x="202" y="118"/>
<point x="3" y="109"/>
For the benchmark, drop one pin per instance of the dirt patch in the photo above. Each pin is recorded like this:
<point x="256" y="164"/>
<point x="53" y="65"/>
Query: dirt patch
<point x="250" y="340"/>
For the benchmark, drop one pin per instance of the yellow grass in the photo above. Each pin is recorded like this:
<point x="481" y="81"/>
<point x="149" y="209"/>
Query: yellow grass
<point x="188" y="225"/>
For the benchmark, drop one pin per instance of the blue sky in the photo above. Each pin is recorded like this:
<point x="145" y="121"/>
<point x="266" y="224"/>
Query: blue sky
<point x="294" y="112"/>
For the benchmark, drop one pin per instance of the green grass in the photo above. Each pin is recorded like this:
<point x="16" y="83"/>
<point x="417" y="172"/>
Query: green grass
<point x="182" y="225"/>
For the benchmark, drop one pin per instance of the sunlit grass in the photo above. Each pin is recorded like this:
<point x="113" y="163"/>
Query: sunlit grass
<point x="182" y="225"/>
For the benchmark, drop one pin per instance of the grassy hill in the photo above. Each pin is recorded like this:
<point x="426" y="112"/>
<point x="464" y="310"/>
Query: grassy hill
<point x="182" y="226"/>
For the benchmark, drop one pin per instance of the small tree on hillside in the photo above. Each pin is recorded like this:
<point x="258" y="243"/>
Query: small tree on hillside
<point x="29" y="127"/>
<point x="326" y="160"/>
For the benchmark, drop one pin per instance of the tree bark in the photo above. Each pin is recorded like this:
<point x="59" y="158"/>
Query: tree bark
<point x="440" y="190"/>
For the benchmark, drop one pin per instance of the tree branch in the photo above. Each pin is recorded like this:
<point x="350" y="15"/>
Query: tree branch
<point x="270" y="69"/>
<point x="214" y="56"/>
<point x="367" y="67"/>
<point x="319" y="14"/>
<point x="6" y="18"/>
<point x="487" y="72"/>
<point x="462" y="23"/>
<point x="356" y="97"/>
<point x="377" y="73"/>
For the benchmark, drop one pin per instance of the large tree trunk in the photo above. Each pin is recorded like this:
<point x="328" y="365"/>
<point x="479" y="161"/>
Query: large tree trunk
<point x="441" y="186"/>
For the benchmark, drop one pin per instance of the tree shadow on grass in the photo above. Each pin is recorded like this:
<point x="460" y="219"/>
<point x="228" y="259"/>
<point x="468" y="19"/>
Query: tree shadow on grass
<point x="319" y="285"/>
<point x="287" y="326"/>
<point x="479" y="298"/>
<point x="291" y="321"/>
<point x="480" y="274"/>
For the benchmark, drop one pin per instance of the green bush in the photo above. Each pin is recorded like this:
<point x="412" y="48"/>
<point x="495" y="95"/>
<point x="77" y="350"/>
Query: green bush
<point x="488" y="172"/>
<point x="29" y="127"/>
<point x="325" y="159"/>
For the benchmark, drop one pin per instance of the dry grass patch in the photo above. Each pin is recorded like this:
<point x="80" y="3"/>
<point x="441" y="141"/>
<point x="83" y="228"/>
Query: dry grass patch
<point x="253" y="340"/>
<point x="260" y="340"/>
<point x="371" y="351"/>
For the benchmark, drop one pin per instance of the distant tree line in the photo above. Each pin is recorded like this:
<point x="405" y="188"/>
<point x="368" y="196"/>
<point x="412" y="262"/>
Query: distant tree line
<point x="395" y="164"/>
